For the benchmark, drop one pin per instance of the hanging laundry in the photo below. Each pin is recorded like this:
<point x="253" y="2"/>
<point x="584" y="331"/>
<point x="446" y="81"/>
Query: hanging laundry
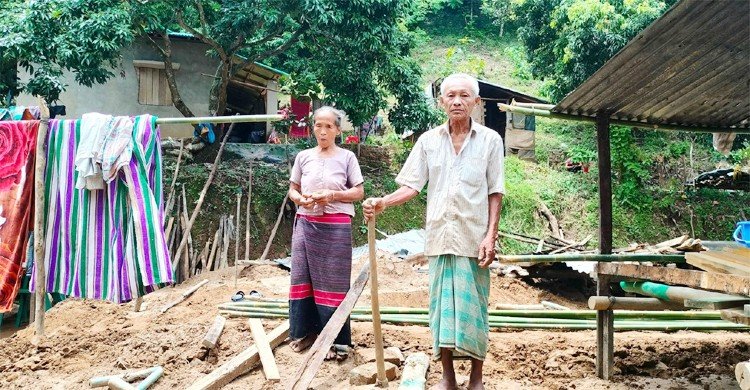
<point x="17" y="146"/>
<point x="105" y="149"/>
<point x="105" y="244"/>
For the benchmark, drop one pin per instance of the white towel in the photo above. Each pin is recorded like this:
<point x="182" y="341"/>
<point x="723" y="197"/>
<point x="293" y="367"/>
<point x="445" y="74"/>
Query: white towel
<point x="93" y="131"/>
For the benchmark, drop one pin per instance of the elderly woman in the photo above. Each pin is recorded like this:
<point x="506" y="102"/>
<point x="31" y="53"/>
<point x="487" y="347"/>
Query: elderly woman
<point x="325" y="182"/>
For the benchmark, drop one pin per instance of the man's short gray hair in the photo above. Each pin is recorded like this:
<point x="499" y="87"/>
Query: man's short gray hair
<point x="473" y="83"/>
<point x="338" y="114"/>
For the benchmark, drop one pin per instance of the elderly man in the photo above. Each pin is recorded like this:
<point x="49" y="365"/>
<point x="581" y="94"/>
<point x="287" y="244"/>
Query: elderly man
<point x="461" y="162"/>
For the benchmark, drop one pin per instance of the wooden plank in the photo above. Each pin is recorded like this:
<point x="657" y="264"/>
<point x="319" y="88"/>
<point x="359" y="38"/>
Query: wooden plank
<point x="733" y="284"/>
<point x="241" y="363"/>
<point x="154" y="97"/>
<point x="214" y="332"/>
<point x="737" y="316"/>
<point x="268" y="362"/>
<point x="317" y="353"/>
<point x="717" y="262"/>
<point x="144" y="83"/>
<point x="717" y="303"/>
<point x="154" y="64"/>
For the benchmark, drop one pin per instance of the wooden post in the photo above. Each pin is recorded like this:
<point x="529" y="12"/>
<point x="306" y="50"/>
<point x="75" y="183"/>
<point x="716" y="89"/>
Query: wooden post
<point x="605" y="184"/>
<point x="604" y="318"/>
<point x="40" y="163"/>
<point x="382" y="380"/>
<point x="275" y="227"/>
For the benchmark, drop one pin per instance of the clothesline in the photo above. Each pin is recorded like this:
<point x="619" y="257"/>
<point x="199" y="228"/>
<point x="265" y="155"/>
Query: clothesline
<point x="221" y="119"/>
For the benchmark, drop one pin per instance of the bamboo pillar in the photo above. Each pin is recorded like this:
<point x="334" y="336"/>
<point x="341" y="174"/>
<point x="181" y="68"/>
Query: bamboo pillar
<point x="40" y="163"/>
<point x="604" y="318"/>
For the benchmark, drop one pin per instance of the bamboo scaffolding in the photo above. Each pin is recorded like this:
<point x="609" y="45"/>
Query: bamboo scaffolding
<point x="220" y="119"/>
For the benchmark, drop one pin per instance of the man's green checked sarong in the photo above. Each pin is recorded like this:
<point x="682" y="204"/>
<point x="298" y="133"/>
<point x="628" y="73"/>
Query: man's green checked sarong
<point x="459" y="294"/>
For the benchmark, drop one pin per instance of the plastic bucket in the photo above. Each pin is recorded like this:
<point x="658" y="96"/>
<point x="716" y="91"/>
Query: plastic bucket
<point x="742" y="233"/>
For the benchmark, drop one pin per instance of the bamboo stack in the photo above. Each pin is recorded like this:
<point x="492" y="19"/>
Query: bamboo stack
<point x="515" y="319"/>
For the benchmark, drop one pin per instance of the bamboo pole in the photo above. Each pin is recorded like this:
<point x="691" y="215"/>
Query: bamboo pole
<point x="220" y="119"/>
<point x="40" y="164"/>
<point x="382" y="380"/>
<point x="237" y="239"/>
<point x="247" y="211"/>
<point x="654" y="258"/>
<point x="275" y="227"/>
<point x="583" y="314"/>
<point x="170" y="198"/>
<point x="202" y="197"/>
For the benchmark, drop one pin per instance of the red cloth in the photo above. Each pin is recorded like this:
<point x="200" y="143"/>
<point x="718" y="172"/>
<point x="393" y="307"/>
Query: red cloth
<point x="17" y="152"/>
<point x="300" y="110"/>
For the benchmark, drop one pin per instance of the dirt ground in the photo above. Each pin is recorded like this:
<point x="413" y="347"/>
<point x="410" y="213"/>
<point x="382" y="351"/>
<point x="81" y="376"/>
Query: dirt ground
<point x="91" y="338"/>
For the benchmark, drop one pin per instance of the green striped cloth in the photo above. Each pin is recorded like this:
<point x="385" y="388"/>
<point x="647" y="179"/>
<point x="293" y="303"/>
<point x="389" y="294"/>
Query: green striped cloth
<point x="459" y="295"/>
<point x="105" y="244"/>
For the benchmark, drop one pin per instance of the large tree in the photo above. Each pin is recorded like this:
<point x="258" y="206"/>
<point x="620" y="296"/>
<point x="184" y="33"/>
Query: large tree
<point x="567" y="41"/>
<point x="358" y="50"/>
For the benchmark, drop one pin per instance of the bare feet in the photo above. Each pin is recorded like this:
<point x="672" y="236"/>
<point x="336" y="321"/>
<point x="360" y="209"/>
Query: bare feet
<point x="302" y="344"/>
<point x="445" y="384"/>
<point x="338" y="352"/>
<point x="478" y="385"/>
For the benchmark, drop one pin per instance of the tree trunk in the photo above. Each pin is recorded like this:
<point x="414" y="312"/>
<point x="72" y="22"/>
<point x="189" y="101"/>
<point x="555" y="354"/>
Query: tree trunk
<point x="218" y="98"/>
<point x="166" y="55"/>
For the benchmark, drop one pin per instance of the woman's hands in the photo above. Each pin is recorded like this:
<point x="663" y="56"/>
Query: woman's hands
<point x="321" y="197"/>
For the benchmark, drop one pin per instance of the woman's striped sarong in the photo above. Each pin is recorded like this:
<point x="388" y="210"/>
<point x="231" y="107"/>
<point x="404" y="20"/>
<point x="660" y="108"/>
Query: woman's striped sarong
<point x="459" y="295"/>
<point x="106" y="244"/>
<point x="321" y="273"/>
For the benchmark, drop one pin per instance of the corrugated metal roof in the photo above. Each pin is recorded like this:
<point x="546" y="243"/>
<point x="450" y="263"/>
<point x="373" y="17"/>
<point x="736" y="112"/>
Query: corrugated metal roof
<point x="691" y="68"/>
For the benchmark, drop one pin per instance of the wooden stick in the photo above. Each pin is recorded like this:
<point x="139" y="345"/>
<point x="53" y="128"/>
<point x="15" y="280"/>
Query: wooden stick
<point x="186" y="254"/>
<point x="553" y="224"/>
<point x="247" y="211"/>
<point x="275" y="228"/>
<point x="184" y="296"/>
<point x="212" y="255"/>
<point x="382" y="380"/>
<point x="203" y="257"/>
<point x="270" y="370"/>
<point x="237" y="239"/>
<point x="241" y="363"/>
<point x="185" y="212"/>
<point x="228" y="227"/>
<point x="202" y="196"/>
<point x="170" y="199"/>
<point x="566" y="247"/>
<point x="137" y="304"/>
<point x="214" y="332"/>
<point x="317" y="353"/>
<point x="40" y="164"/>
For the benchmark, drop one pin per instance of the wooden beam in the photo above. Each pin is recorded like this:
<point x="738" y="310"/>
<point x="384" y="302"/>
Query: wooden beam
<point x="717" y="303"/>
<point x="241" y="363"/>
<point x="214" y="332"/>
<point x="317" y="353"/>
<point x="732" y="284"/>
<point x="270" y="370"/>
<point x="605" y="183"/>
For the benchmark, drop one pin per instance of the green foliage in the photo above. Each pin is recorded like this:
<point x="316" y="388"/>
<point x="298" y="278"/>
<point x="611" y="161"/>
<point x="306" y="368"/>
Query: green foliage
<point x="47" y="37"/>
<point x="741" y="156"/>
<point x="582" y="155"/>
<point x="630" y="166"/>
<point x="568" y="41"/>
